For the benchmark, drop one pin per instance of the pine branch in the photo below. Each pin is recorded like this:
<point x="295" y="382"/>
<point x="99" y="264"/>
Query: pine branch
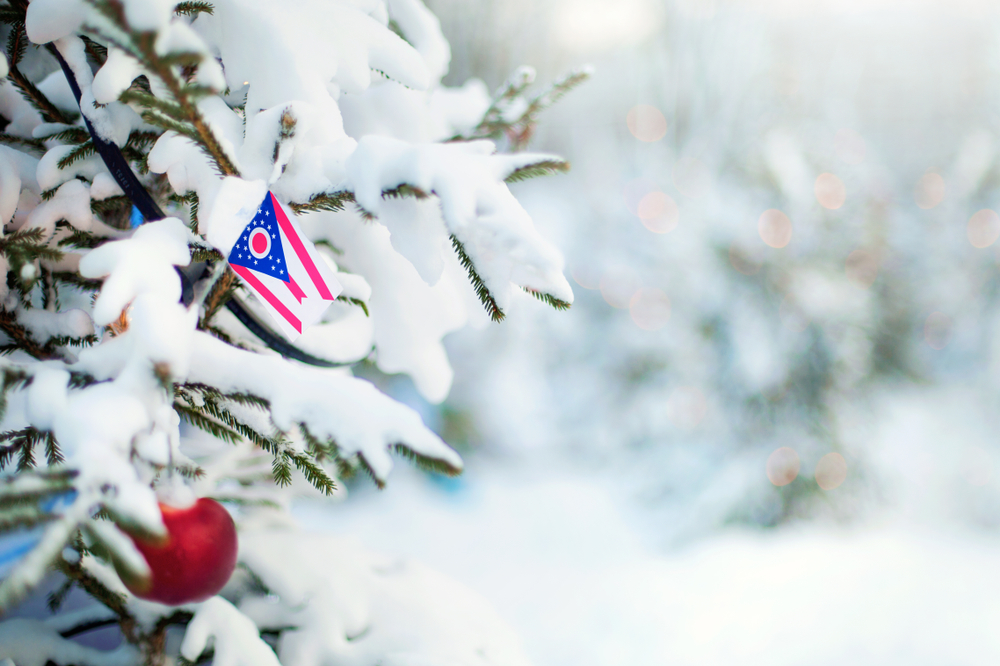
<point x="204" y="254"/>
<point x="52" y="453"/>
<point x="404" y="191"/>
<point x="149" y="101"/>
<point x="34" y="487"/>
<point x="332" y="202"/>
<point x="245" y="399"/>
<point x="85" y="240"/>
<point x="22" y="443"/>
<point x="192" y="200"/>
<point x="369" y="472"/>
<point x="199" y="420"/>
<point x="184" y="128"/>
<point x="328" y="245"/>
<point x="492" y="309"/>
<point x="21" y="517"/>
<point x="355" y="301"/>
<point x="221" y="291"/>
<point x="519" y="130"/>
<point x="543" y="168"/>
<point x="70" y="340"/>
<point x="10" y="16"/>
<point x="31" y="144"/>
<point x="281" y="471"/>
<point x="22" y="338"/>
<point x="97" y="52"/>
<point x="548" y="299"/>
<point x="86" y="284"/>
<point x="426" y="462"/>
<point x="30" y="243"/>
<point x="83" y="151"/>
<point x="17" y="43"/>
<point x="74" y="135"/>
<point x="95" y="588"/>
<point x="78" y="380"/>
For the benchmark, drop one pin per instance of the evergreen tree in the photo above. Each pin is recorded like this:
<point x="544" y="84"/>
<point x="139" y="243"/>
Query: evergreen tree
<point x="140" y="374"/>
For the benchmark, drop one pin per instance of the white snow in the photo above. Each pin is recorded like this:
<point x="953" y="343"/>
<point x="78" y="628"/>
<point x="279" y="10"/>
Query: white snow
<point x="477" y="207"/>
<point x="143" y="263"/>
<point x="355" y="607"/>
<point x="33" y="643"/>
<point x="351" y="411"/>
<point x="237" y="640"/>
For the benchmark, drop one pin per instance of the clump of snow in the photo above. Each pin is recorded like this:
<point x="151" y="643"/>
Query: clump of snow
<point x="351" y="411"/>
<point x="143" y="263"/>
<point x="71" y="203"/>
<point x="476" y="206"/>
<point x="355" y="607"/>
<point x="237" y="640"/>
<point x="17" y="170"/>
<point x="44" y="324"/>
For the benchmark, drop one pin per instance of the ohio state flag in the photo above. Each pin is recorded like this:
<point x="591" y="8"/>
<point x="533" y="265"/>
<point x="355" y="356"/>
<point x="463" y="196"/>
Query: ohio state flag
<point x="283" y="269"/>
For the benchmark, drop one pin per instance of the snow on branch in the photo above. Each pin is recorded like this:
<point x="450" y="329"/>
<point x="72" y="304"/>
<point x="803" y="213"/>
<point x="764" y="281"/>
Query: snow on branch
<point x="360" y="419"/>
<point x="494" y="235"/>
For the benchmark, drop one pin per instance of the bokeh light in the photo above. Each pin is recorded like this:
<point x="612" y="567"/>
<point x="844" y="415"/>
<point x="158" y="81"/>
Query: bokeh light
<point x="783" y="466"/>
<point x="742" y="260"/>
<point x="983" y="228"/>
<point x="862" y="268"/>
<point x="635" y="190"/>
<point x="650" y="309"/>
<point x="930" y="190"/>
<point x="831" y="471"/>
<point x="830" y="191"/>
<point x="646" y="123"/>
<point x="686" y="407"/>
<point x="618" y="285"/>
<point x="775" y="228"/>
<point x="937" y="330"/>
<point x="849" y="146"/>
<point x="658" y="212"/>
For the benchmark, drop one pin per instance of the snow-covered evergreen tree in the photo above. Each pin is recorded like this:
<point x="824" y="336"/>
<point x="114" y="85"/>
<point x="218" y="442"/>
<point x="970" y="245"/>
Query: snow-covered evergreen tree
<point x="138" y="373"/>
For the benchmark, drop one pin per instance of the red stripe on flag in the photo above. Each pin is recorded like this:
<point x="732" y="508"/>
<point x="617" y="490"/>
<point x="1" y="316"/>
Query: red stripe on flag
<point x="300" y="250"/>
<point x="296" y="290"/>
<point x="259" y="287"/>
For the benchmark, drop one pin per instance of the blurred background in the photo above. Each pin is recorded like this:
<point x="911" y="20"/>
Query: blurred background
<point x="766" y="431"/>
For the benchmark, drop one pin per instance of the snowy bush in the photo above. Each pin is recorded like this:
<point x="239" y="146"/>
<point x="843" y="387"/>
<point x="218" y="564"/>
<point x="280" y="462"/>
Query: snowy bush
<point x="139" y="370"/>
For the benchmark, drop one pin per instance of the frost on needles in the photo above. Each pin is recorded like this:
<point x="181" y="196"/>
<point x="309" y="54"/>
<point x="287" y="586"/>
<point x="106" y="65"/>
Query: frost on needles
<point x="116" y="392"/>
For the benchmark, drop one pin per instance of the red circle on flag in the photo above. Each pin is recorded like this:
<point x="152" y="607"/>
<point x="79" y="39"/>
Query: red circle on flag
<point x="260" y="243"/>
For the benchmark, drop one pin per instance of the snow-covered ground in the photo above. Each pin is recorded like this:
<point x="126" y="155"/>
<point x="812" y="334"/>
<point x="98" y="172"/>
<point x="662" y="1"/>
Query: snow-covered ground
<point x="557" y="560"/>
<point x="572" y="562"/>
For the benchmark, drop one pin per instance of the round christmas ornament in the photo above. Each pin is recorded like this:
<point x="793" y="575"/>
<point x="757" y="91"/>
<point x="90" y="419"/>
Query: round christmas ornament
<point x="195" y="560"/>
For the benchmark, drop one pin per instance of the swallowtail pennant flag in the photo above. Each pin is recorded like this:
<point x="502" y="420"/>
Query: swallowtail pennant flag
<point x="282" y="267"/>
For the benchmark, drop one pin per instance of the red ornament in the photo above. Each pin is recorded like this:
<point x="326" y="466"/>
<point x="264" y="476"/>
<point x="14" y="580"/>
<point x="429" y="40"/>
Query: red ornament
<point x="196" y="559"/>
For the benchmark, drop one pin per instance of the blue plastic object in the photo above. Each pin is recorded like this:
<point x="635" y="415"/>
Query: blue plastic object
<point x="136" y="218"/>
